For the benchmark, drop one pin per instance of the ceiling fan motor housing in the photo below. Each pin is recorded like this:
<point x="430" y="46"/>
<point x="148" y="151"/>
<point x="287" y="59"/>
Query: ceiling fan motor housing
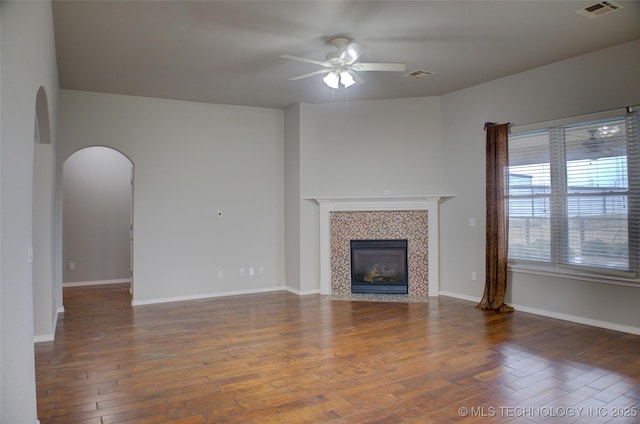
<point x="345" y="61"/>
<point x="340" y="42"/>
<point x="338" y="57"/>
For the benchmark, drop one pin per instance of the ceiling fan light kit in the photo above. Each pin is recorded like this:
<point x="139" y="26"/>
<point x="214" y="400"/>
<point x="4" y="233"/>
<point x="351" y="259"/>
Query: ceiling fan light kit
<point x="346" y="79"/>
<point x="341" y="65"/>
<point x="335" y="80"/>
<point x="331" y="79"/>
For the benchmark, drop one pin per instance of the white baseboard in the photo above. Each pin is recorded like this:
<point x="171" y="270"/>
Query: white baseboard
<point x="224" y="294"/>
<point x="579" y="319"/>
<point x="460" y="296"/>
<point x="205" y="296"/>
<point x="48" y="337"/>
<point x="96" y="283"/>
<point x="302" y="292"/>
<point x="43" y="338"/>
<point x="565" y="317"/>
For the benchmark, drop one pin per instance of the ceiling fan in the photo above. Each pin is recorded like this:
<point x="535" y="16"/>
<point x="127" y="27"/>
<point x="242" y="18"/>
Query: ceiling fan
<point x="340" y="66"/>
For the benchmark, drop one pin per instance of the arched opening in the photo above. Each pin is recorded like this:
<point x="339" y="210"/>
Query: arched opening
<point x="43" y="126"/>
<point x="97" y="219"/>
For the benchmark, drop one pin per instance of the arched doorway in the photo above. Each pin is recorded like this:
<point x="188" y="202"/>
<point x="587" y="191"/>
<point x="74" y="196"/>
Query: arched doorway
<point x="97" y="228"/>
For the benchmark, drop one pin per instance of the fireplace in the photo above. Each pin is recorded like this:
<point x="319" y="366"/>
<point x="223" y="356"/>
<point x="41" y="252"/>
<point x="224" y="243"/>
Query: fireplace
<point x="379" y="266"/>
<point x="411" y="217"/>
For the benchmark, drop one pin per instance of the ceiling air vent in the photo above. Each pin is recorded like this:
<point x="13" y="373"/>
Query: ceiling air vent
<point x="599" y="9"/>
<point x="418" y="74"/>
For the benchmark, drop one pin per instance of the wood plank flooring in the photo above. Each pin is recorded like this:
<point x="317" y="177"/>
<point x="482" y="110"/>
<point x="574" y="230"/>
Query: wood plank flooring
<point x="280" y="358"/>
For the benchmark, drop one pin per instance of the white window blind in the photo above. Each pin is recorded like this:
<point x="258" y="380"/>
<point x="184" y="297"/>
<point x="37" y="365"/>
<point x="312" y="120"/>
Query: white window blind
<point x="530" y="197"/>
<point x="574" y="195"/>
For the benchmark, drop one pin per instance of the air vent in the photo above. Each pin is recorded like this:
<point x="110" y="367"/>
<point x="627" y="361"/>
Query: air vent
<point x="599" y="9"/>
<point x="418" y="74"/>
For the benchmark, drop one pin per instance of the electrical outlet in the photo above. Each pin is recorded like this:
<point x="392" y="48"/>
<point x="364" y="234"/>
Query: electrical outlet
<point x="251" y="272"/>
<point x="474" y="276"/>
<point x="242" y="272"/>
<point x="220" y="274"/>
<point x="71" y="266"/>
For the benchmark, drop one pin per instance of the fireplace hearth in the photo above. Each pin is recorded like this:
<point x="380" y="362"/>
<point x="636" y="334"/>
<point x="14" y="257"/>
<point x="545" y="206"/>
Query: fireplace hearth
<point x="379" y="266"/>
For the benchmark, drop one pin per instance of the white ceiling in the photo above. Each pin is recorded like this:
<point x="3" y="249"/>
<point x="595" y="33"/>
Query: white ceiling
<point x="227" y="52"/>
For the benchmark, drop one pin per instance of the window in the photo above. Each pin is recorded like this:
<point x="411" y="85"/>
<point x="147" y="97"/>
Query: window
<point x="574" y="195"/>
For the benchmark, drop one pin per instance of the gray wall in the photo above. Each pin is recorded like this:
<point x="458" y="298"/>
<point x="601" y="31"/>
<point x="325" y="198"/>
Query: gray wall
<point x="191" y="161"/>
<point x="292" y="197"/>
<point x="45" y="292"/>
<point x="97" y="196"/>
<point x="27" y="58"/>
<point x="436" y="145"/>
<point x="195" y="159"/>
<point x="599" y="81"/>
<point x="363" y="149"/>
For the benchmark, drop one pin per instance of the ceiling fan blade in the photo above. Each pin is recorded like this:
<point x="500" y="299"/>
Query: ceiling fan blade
<point x="351" y="52"/>
<point x="302" y="59"/>
<point x="322" y="71"/>
<point x="386" y="67"/>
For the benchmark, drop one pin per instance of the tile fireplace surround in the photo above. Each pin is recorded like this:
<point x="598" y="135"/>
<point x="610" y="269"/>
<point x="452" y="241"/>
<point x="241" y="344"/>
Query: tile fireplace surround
<point x="345" y="226"/>
<point x="414" y="218"/>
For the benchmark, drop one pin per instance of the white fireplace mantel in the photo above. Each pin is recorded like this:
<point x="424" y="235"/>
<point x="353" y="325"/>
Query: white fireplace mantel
<point x="429" y="203"/>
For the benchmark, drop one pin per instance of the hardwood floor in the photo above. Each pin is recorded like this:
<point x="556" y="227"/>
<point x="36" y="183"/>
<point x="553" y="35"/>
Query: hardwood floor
<point x="280" y="358"/>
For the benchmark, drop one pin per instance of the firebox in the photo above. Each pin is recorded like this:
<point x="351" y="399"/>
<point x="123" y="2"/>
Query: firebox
<point x="379" y="266"/>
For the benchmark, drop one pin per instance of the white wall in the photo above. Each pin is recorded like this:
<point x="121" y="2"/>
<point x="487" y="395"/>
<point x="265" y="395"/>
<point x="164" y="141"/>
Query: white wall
<point x="1" y="280"/>
<point x="599" y="81"/>
<point x="44" y="282"/>
<point x="191" y="161"/>
<point x="364" y="148"/>
<point x="27" y="63"/>
<point x="292" y="196"/>
<point x="309" y="213"/>
<point x="195" y="159"/>
<point x="97" y="195"/>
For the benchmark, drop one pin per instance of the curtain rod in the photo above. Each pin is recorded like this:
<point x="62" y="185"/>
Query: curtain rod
<point x="490" y="124"/>
<point x="595" y="115"/>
